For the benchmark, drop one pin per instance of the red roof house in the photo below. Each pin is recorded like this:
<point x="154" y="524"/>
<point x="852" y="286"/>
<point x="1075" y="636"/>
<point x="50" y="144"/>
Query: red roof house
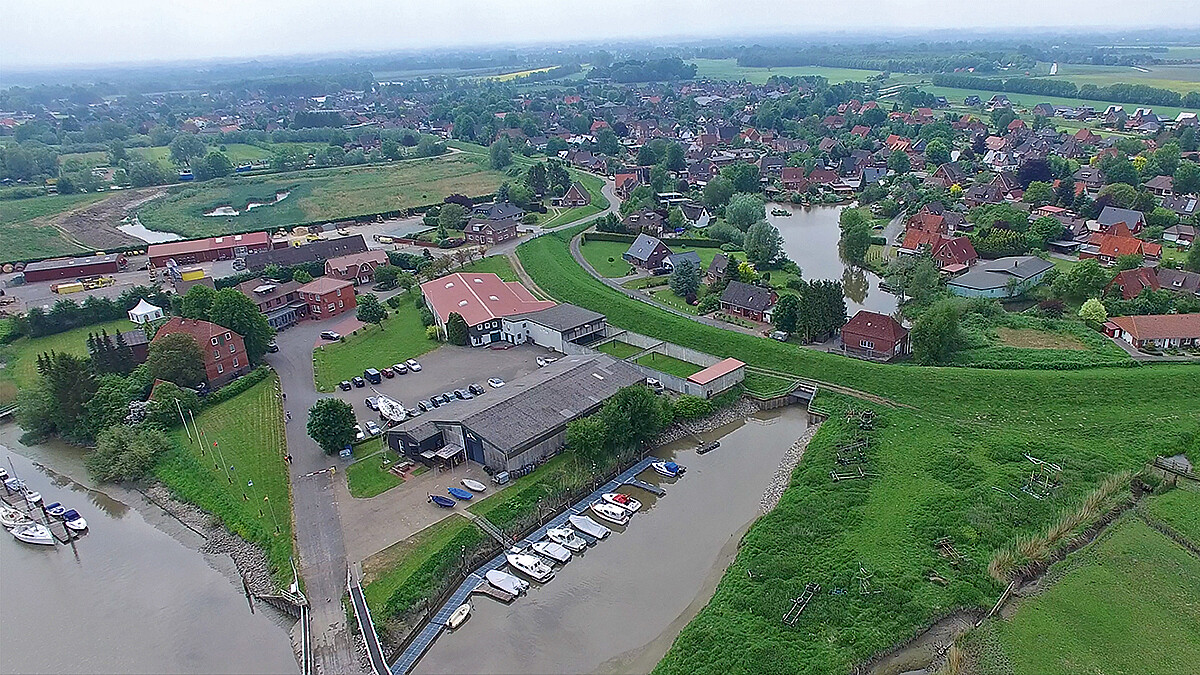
<point x="224" y="351"/>
<point x="481" y="299"/>
<point x="875" y="336"/>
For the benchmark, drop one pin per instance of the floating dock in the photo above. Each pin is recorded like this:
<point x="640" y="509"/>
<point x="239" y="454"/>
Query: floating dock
<point x="652" y="489"/>
<point x="56" y="526"/>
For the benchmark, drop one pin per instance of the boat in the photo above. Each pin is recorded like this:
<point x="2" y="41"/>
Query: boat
<point x="33" y="533"/>
<point x="459" y="616"/>
<point x="3" y="474"/>
<point x="566" y="537"/>
<point x="622" y="500"/>
<point x="506" y="582"/>
<point x="33" y="497"/>
<point x="553" y="551"/>
<point x="535" y="567"/>
<point x="14" y="484"/>
<point x="780" y="212"/>
<point x="74" y="521"/>
<point x="55" y="509"/>
<point x="473" y="485"/>
<point x="444" y="502"/>
<point x="669" y="469"/>
<point x="10" y="517"/>
<point x="588" y="526"/>
<point x="459" y="493"/>
<point x="611" y="512"/>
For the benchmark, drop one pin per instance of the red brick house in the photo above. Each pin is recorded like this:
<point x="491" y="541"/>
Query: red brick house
<point x="1106" y="248"/>
<point x="1164" y="331"/>
<point x="747" y="300"/>
<point x="357" y="268"/>
<point x="875" y="336"/>
<point x="576" y="196"/>
<point x="793" y="179"/>
<point x="327" y="297"/>
<point x="224" y="351"/>
<point x="955" y="251"/>
<point x="481" y="231"/>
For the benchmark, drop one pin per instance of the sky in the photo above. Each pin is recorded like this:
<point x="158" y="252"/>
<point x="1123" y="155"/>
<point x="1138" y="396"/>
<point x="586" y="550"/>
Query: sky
<point x="36" y="33"/>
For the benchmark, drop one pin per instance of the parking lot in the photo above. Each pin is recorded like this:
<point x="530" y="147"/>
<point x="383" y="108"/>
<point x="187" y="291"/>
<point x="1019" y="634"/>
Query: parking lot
<point x="445" y="369"/>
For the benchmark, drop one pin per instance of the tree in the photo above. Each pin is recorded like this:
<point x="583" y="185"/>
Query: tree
<point x="633" y="417"/>
<point x="607" y="142"/>
<point x="588" y="437"/>
<point x="387" y="276"/>
<point x="743" y="176"/>
<point x="1065" y="194"/>
<point x="238" y="313"/>
<point x="1192" y="262"/>
<point x="457" y="332"/>
<point x="787" y="312"/>
<point x="370" y="310"/>
<point x="685" y="280"/>
<point x="717" y="192"/>
<point x="331" y="424"/>
<point x="914" y="277"/>
<point x="537" y="179"/>
<point x="935" y="335"/>
<point x="763" y="244"/>
<point x="126" y="453"/>
<point x="301" y="276"/>
<point x="452" y="217"/>
<point x="176" y="358"/>
<point x="1187" y="178"/>
<point x="856" y="241"/>
<point x="197" y="301"/>
<point x="1085" y="280"/>
<point x="1129" y="261"/>
<point x="500" y="154"/>
<point x="186" y="147"/>
<point x="937" y="152"/>
<point x="1043" y="231"/>
<point x="1038" y="193"/>
<point x="745" y="209"/>
<point x="1093" y="311"/>
<point x="214" y="165"/>
<point x="899" y="162"/>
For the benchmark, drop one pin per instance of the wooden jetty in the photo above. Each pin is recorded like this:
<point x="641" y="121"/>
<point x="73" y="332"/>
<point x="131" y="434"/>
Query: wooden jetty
<point x="484" y="588"/>
<point x="56" y="526"/>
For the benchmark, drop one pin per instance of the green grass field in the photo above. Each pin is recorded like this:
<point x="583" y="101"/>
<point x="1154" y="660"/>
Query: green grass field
<point x="22" y="240"/>
<point x="1178" y="509"/>
<point x="605" y="257"/>
<point x="395" y="566"/>
<point x="1182" y="78"/>
<point x="935" y="462"/>
<point x="594" y="186"/>
<point x="618" y="349"/>
<point x="728" y="69"/>
<point x="669" y="365"/>
<point x="318" y="194"/>
<point x="956" y="96"/>
<point x="1124" y="605"/>
<point x="667" y="296"/>
<point x="766" y="385"/>
<point x="20" y="357"/>
<point x="248" y="432"/>
<point x="518" y="501"/>
<point x="495" y="264"/>
<point x="401" y="337"/>
<point x="369" y="476"/>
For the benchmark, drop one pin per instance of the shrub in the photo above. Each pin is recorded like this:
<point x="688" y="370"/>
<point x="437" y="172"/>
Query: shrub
<point x="126" y="453"/>
<point x="688" y="407"/>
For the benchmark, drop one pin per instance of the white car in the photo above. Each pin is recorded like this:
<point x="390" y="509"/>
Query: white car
<point x="330" y="335"/>
<point x="358" y="433"/>
<point x="373" y="428"/>
<point x="545" y="360"/>
<point x="413" y="365"/>
<point x="495" y="382"/>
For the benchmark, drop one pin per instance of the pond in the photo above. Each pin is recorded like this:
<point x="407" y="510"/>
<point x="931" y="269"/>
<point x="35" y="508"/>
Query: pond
<point x="134" y="227"/>
<point x="810" y="239"/>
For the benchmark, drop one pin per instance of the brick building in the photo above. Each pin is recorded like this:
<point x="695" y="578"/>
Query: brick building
<point x="224" y="351"/>
<point x="327" y="297"/>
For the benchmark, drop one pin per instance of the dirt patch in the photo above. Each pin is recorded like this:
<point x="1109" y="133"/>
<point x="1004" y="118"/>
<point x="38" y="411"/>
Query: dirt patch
<point x="926" y="652"/>
<point x="94" y="226"/>
<point x="1027" y="338"/>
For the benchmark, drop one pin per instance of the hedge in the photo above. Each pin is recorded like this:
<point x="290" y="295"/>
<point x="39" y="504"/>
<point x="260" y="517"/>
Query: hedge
<point x="238" y="386"/>
<point x="628" y="239"/>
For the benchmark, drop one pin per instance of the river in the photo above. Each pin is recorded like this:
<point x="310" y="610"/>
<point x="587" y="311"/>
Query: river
<point x="617" y="607"/>
<point x="134" y="596"/>
<point x="810" y="239"/>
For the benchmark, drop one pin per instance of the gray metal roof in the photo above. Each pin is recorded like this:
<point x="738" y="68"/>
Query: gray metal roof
<point x="991" y="274"/>
<point x="1111" y="215"/>
<point x="561" y="318"/>
<point x="66" y="263"/>
<point x="643" y="246"/>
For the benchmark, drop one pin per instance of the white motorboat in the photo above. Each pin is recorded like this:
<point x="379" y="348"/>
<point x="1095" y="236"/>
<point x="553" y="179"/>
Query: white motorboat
<point x="473" y="485"/>
<point x="506" y="582"/>
<point x="611" y="512"/>
<point x="74" y="521"/>
<point x="566" y="537"/>
<point x="622" y="500"/>
<point x="33" y="497"/>
<point x="553" y="551"/>
<point x="669" y="469"/>
<point x="529" y="564"/>
<point x="588" y="526"/>
<point x="459" y="616"/>
<point x="10" y="517"/>
<point x="55" y="509"/>
<point x="3" y="474"/>
<point x="33" y="533"/>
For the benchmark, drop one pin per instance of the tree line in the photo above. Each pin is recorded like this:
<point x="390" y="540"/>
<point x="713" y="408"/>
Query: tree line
<point x="1120" y="92"/>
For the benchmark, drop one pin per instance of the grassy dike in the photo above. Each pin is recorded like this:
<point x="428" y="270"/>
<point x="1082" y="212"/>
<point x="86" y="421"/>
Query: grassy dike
<point x="958" y="433"/>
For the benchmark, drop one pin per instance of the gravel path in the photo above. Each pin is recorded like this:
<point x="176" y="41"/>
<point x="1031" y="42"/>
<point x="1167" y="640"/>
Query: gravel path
<point x="783" y="475"/>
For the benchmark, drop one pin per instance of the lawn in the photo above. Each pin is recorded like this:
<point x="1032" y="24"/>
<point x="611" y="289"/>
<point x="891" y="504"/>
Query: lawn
<point x="1028" y="338"/>
<point x="318" y="194"/>
<point x="766" y="385"/>
<point x="20" y="357"/>
<point x="618" y="349"/>
<point x="1125" y="604"/>
<point x="669" y="365"/>
<point x="520" y="500"/>
<point x="594" y="186"/>
<point x="667" y="296"/>
<point x="934" y="464"/>
<point x="415" y="563"/>
<point x="605" y="257"/>
<point x="370" y="476"/>
<point x="20" y="239"/>
<point x="243" y="442"/>
<point x="495" y="264"/>
<point x="1178" y="509"/>
<point x="728" y="69"/>
<point x="401" y="337"/>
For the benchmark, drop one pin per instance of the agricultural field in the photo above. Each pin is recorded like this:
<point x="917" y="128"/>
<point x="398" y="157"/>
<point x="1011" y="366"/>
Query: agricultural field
<point x="507" y="77"/>
<point x="317" y="194"/>
<point x="19" y="358"/>
<point x="728" y="69"/>
<point x="21" y="238"/>
<point x="1178" y="509"/>
<point x="1017" y="341"/>
<point x="401" y="337"/>
<point x="1130" y="591"/>
<point x="605" y="257"/>
<point x="955" y="434"/>
<point x="1180" y="78"/>
<point x="956" y="96"/>
<point x="246" y="434"/>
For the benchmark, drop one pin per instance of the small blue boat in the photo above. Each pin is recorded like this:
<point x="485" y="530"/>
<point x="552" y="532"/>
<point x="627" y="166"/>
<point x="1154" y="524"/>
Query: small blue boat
<point x="444" y="502"/>
<point x="55" y="509"/>
<point x="459" y="493"/>
<point x="668" y="469"/>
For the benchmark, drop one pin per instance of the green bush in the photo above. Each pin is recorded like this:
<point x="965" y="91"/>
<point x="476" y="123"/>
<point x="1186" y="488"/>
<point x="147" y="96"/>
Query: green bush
<point x="688" y="407"/>
<point x="126" y="453"/>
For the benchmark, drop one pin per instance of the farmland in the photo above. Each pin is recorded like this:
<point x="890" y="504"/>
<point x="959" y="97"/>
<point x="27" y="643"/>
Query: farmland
<point x="956" y="96"/>
<point x="318" y="194"/>
<point x="1180" y="78"/>
<point x="728" y="69"/>
<point x="21" y="237"/>
<point x="934" y="464"/>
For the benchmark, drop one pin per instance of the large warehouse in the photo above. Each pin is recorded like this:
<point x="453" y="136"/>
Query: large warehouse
<point x="73" y="268"/>
<point x="192" y="251"/>
<point x="521" y="423"/>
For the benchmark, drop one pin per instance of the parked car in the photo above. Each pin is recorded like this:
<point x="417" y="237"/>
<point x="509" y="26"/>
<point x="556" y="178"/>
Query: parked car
<point x="372" y="376"/>
<point x="272" y="347"/>
<point x="387" y="371"/>
<point x="781" y="335"/>
<point x="475" y="389"/>
<point x="424" y="406"/>
<point x="344" y="385"/>
<point x="463" y="394"/>
<point x="413" y="365"/>
<point x="447" y="397"/>
<point x="400" y="369"/>
<point x="413" y="412"/>
<point x="545" y="360"/>
<point x="373" y="403"/>
<point x="330" y="335"/>
<point x="373" y="428"/>
<point x="435" y="401"/>
<point x="359" y="434"/>
<point x="495" y="382"/>
<point x="359" y="382"/>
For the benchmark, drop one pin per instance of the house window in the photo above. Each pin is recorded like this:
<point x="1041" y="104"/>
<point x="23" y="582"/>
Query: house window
<point x="341" y="303"/>
<point x="216" y="353"/>
<point x="235" y="362"/>
<point x="866" y="344"/>
<point x="214" y="342"/>
<point x="228" y="336"/>
<point x="232" y="348"/>
<point x="220" y="368"/>
<point x="316" y="309"/>
<point x="332" y="307"/>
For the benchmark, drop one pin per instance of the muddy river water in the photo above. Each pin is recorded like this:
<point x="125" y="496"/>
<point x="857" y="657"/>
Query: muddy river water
<point x="618" y="606"/>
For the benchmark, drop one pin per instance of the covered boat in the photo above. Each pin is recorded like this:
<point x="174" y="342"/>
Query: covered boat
<point x="553" y="551"/>
<point x="506" y="582"/>
<point x="33" y="533"/>
<point x="444" y="502"/>
<point x="529" y="564"/>
<point x="473" y="485"/>
<point x="611" y="512"/>
<point x="459" y="493"/>
<point x="668" y="469"/>
<point x="33" y="497"/>
<point x="622" y="500"/>
<point x="588" y="526"/>
<point x="74" y="521"/>
<point x="55" y="509"/>
<point x="566" y="537"/>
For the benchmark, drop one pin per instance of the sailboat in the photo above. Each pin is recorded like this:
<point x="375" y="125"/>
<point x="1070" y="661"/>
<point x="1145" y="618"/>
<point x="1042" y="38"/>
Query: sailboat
<point x="33" y="533"/>
<point x="10" y="517"/>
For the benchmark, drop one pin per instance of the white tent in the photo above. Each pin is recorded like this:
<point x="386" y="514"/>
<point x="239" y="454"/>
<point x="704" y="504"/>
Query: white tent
<point x="145" y="312"/>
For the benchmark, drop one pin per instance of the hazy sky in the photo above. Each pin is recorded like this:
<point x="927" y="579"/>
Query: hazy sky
<point x="84" y="32"/>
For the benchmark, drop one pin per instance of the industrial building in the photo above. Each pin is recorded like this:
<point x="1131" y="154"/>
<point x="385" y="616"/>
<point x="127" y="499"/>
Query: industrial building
<point x="193" y="251"/>
<point x="73" y="268"/>
<point x="551" y="327"/>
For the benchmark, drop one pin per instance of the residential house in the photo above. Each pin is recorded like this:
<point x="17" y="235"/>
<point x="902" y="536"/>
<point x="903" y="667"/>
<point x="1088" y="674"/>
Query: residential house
<point x="645" y="221"/>
<point x="1182" y="235"/>
<point x="576" y="196"/>
<point x="624" y="183"/>
<point x="716" y="268"/>
<point x="481" y="231"/>
<point x="875" y="336"/>
<point x="1111" y="215"/>
<point x="224" y="350"/>
<point x="279" y="301"/>
<point x="1161" y="186"/>
<point x="695" y="214"/>
<point x="1132" y="282"/>
<point x="327" y="297"/>
<point x="748" y="301"/>
<point x="358" y="268"/>
<point x="1106" y="248"/>
<point x="675" y="259"/>
<point x="482" y="300"/>
<point x="1001" y="278"/>
<point x="1162" y="331"/>
<point x="646" y="252"/>
<point x="794" y="179"/>
<point x="1184" y="206"/>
